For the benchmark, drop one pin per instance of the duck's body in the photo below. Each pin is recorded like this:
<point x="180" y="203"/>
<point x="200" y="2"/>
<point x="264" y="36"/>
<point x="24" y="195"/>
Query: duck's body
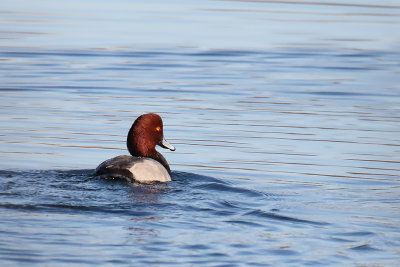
<point x="145" y="164"/>
<point x="143" y="170"/>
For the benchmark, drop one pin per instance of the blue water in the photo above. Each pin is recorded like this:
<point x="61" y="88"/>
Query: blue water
<point x="285" y="116"/>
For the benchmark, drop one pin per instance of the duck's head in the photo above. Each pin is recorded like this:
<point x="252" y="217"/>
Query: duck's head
<point x="147" y="132"/>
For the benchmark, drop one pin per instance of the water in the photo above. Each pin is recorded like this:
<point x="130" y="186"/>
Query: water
<point x="285" y="115"/>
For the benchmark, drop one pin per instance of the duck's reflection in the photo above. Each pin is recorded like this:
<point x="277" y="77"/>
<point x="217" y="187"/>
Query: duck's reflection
<point x="147" y="193"/>
<point x="142" y="228"/>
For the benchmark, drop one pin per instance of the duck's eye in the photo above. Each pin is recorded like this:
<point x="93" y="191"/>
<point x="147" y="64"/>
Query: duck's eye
<point x="158" y="128"/>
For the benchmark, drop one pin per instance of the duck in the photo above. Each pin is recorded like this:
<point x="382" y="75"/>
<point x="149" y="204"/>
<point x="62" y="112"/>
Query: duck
<point x="144" y="164"/>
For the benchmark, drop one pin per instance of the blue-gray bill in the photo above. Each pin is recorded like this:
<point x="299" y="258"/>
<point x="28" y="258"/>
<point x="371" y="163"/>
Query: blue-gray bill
<point x="165" y="144"/>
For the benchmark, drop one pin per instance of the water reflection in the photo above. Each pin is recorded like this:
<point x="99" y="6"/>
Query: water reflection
<point x="148" y="193"/>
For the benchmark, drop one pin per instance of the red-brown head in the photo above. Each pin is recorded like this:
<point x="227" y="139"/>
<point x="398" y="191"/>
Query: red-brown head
<point x="147" y="132"/>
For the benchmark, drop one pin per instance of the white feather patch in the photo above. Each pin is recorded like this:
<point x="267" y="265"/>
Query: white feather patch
<point x="148" y="170"/>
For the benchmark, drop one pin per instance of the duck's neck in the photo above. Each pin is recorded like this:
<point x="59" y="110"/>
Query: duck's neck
<point x="138" y="146"/>
<point x="141" y="148"/>
<point x="160" y="158"/>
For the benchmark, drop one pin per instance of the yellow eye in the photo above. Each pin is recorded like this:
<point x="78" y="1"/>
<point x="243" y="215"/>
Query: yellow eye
<point x="158" y="128"/>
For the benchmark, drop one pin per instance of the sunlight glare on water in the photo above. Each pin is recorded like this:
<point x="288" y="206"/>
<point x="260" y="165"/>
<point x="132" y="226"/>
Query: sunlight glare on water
<point x="285" y="116"/>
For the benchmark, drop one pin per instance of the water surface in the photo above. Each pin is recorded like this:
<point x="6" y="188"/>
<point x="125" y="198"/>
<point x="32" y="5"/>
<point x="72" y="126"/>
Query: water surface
<point x="285" y="115"/>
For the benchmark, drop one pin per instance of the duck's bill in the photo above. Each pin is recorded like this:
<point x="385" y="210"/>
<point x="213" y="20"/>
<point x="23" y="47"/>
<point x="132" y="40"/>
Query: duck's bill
<point x="165" y="144"/>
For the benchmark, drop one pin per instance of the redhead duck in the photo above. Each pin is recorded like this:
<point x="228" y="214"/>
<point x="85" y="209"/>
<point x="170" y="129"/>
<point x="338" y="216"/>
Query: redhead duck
<point x="145" y="164"/>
